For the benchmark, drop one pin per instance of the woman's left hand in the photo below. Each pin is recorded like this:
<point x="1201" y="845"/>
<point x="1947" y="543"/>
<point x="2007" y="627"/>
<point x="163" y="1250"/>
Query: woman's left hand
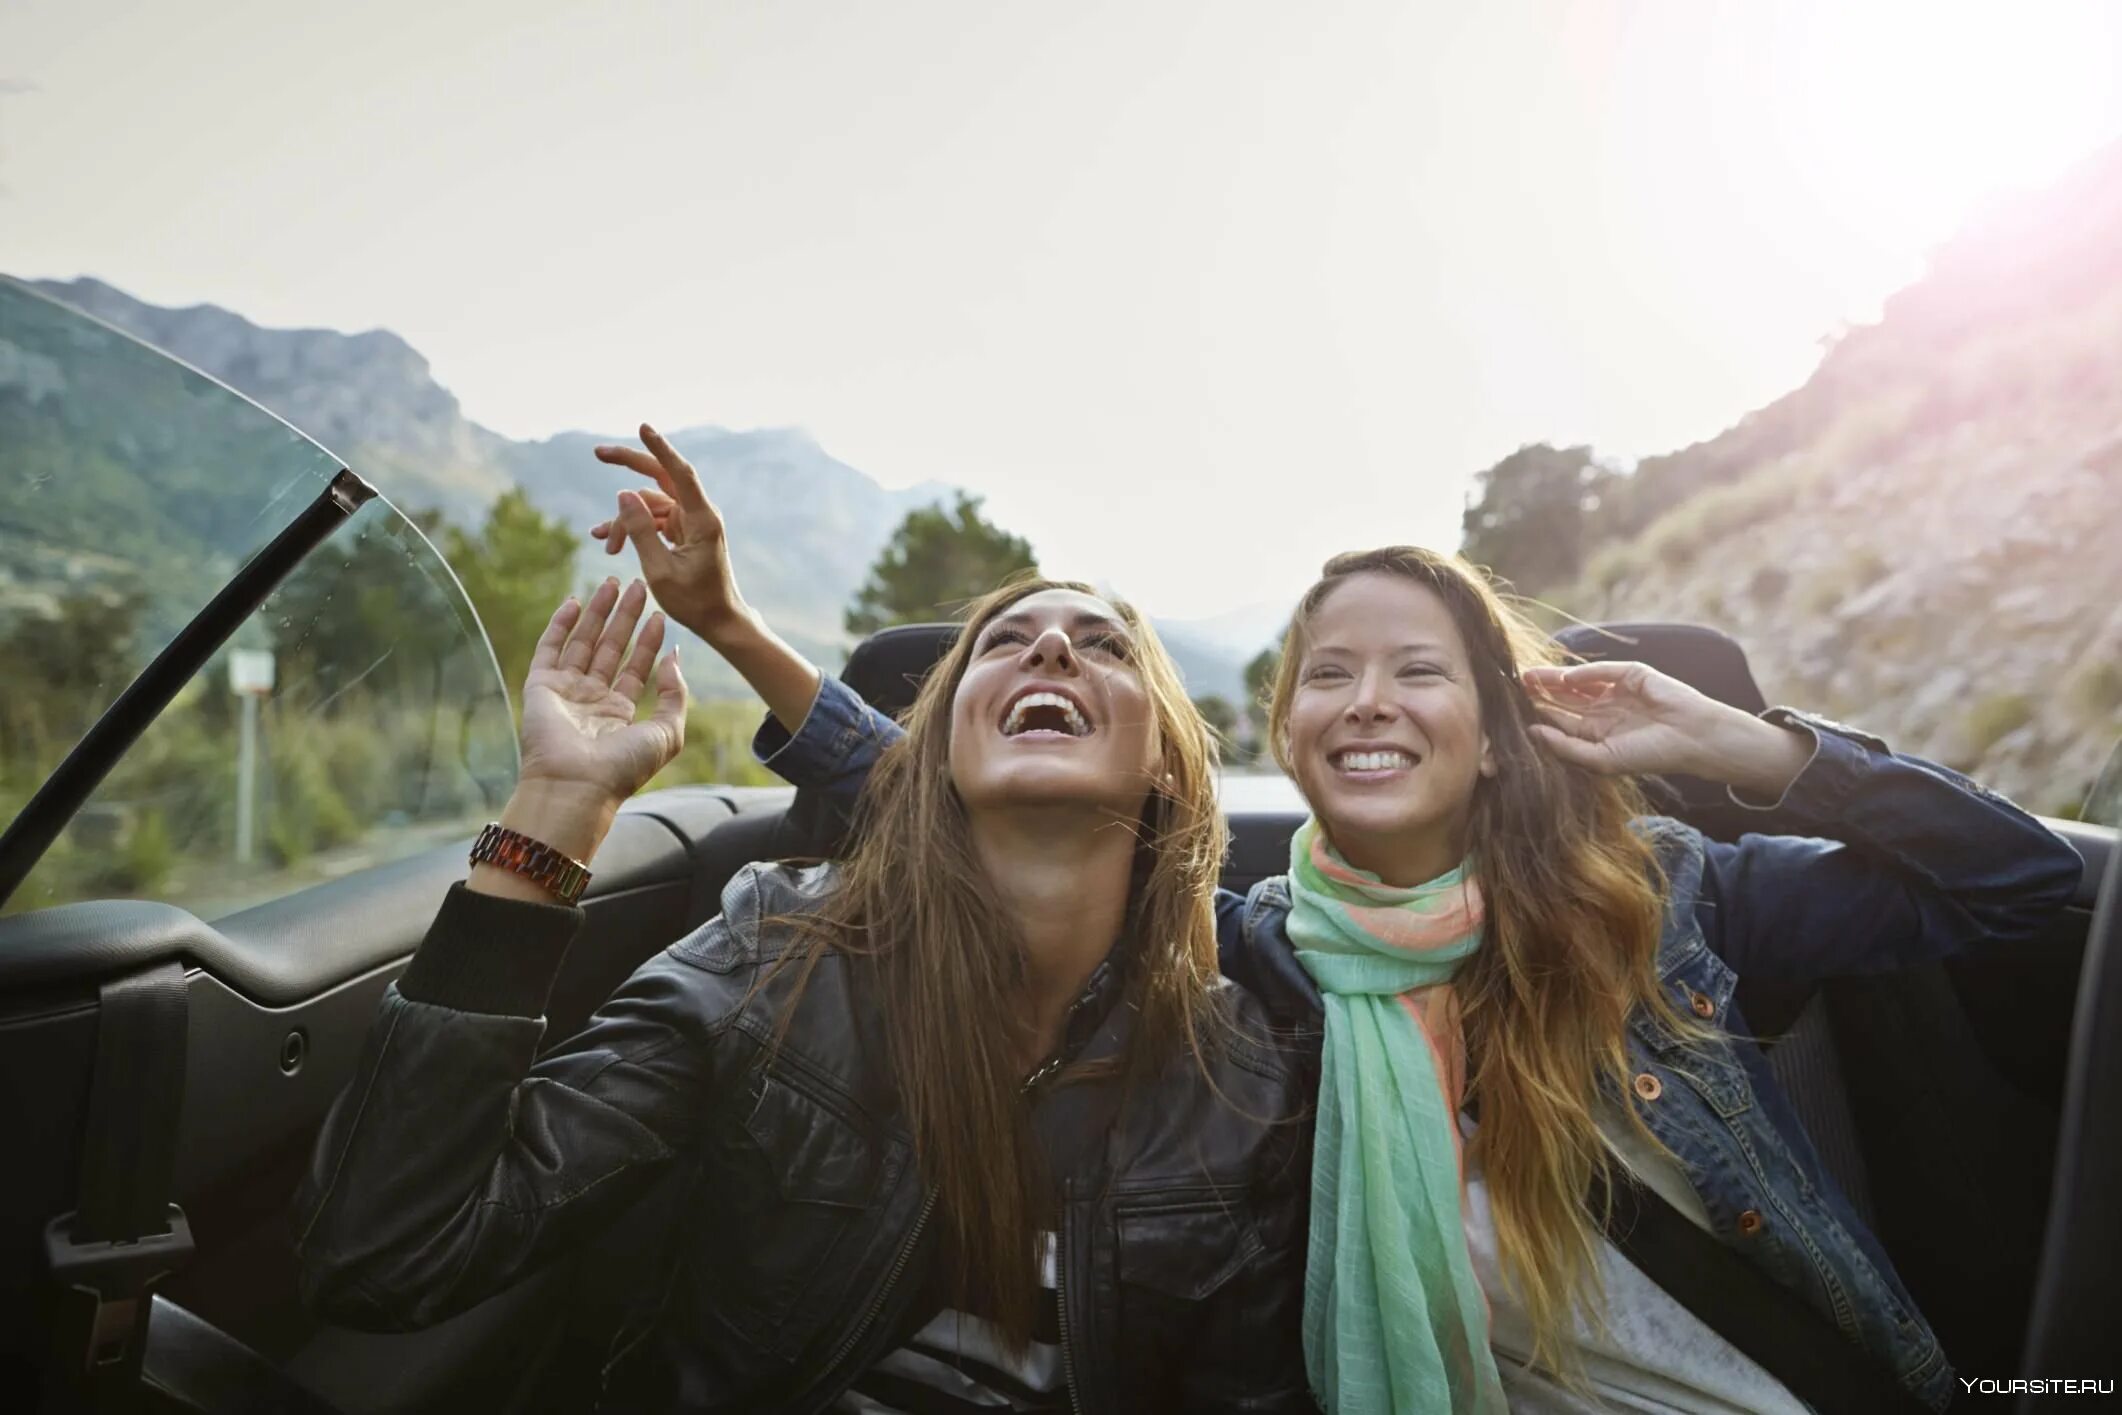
<point x="1630" y="719"/>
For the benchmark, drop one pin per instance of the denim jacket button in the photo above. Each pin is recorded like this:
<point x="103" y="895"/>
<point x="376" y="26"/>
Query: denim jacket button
<point x="1649" y="1087"/>
<point x="1702" y="1005"/>
<point x="1750" y="1222"/>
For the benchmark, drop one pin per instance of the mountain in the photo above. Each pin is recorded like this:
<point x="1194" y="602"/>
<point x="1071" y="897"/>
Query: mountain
<point x="1923" y="538"/>
<point x="369" y="397"/>
<point x="1239" y="633"/>
<point x="805" y="526"/>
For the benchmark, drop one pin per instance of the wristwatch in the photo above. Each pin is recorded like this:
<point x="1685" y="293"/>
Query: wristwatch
<point x="537" y="862"/>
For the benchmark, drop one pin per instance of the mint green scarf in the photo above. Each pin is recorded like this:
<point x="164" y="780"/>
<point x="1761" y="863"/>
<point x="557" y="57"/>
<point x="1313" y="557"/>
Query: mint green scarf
<point x="1394" y="1318"/>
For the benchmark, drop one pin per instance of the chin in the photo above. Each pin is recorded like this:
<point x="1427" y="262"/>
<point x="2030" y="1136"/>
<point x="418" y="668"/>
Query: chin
<point x="1370" y="823"/>
<point x="1034" y="784"/>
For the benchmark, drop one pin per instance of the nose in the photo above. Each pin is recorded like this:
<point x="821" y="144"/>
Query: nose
<point x="1369" y="703"/>
<point x="1051" y="650"/>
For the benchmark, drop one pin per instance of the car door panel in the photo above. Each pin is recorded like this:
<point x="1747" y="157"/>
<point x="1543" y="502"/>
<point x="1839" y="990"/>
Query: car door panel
<point x="280" y="997"/>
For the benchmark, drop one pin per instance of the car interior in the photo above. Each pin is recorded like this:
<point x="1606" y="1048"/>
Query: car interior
<point x="261" y="1015"/>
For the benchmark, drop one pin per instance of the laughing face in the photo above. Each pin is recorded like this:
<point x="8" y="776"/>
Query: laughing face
<point x="1385" y="730"/>
<point x="1052" y="712"/>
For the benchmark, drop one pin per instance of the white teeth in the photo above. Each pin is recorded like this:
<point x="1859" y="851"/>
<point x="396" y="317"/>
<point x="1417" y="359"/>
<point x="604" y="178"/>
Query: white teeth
<point x="1014" y="723"/>
<point x="1375" y="761"/>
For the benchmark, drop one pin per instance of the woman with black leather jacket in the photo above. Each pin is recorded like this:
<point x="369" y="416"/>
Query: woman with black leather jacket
<point x="969" y="1121"/>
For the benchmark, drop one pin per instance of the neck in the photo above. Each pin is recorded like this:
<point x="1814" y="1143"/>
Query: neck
<point x="1403" y="861"/>
<point x="1062" y="876"/>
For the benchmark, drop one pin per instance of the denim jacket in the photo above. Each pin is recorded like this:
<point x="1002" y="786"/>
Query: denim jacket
<point x="1911" y="863"/>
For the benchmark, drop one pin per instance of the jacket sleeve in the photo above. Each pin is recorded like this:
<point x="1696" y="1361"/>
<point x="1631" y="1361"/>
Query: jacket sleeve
<point x="453" y="1166"/>
<point x="833" y="751"/>
<point x="1904" y="862"/>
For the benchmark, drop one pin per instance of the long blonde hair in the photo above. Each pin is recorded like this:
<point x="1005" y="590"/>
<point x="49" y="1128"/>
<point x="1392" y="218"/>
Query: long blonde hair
<point x="913" y="903"/>
<point x="1575" y="903"/>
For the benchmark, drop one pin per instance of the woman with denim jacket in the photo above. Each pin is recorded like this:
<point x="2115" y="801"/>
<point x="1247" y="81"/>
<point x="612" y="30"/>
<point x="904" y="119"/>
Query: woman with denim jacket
<point x="1481" y="918"/>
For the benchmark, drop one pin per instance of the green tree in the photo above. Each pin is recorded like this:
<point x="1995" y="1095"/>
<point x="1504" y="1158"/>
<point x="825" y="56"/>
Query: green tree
<point x="1527" y="521"/>
<point x="936" y="561"/>
<point x="344" y="617"/>
<point x="1260" y="686"/>
<point x="517" y="569"/>
<point x="64" y="670"/>
<point x="1216" y="711"/>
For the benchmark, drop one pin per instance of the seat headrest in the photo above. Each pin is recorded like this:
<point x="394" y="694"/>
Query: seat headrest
<point x="887" y="667"/>
<point x="1707" y="660"/>
<point x="1711" y="663"/>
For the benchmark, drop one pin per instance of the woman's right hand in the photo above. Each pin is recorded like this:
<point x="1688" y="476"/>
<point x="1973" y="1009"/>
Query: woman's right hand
<point x="583" y="752"/>
<point x="579" y="730"/>
<point x="679" y="537"/>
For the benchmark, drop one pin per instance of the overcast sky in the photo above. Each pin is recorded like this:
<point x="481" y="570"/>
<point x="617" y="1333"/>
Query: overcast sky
<point x="1196" y="291"/>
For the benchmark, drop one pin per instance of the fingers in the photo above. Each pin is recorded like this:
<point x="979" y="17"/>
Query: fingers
<point x="635" y="460"/>
<point x="547" y="653"/>
<point x="1588" y="730"/>
<point x="671" y="697"/>
<point x="1583" y="679"/>
<point x="679" y="478"/>
<point x="639" y="526"/>
<point x="618" y="632"/>
<point x="1572" y="750"/>
<point x="642" y="661"/>
<point x="582" y="643"/>
<point x="661" y="507"/>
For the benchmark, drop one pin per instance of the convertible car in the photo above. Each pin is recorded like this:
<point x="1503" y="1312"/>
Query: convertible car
<point x="263" y="725"/>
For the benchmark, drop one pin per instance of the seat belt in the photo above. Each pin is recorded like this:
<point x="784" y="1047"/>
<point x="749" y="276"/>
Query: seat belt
<point x="124" y="1234"/>
<point x="1766" y="1321"/>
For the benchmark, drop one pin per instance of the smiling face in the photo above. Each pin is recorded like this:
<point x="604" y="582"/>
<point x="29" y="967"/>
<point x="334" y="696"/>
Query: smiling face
<point x="1384" y="730"/>
<point x="1051" y="711"/>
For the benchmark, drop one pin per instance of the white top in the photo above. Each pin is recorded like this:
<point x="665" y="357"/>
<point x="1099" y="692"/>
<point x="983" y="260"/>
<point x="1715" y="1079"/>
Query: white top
<point x="1654" y="1355"/>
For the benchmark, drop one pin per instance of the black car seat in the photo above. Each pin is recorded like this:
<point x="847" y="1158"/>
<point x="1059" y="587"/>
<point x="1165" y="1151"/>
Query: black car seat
<point x="2074" y="1315"/>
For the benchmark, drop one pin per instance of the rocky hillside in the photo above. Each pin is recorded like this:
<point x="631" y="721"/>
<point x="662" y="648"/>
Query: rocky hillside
<point x="1925" y="539"/>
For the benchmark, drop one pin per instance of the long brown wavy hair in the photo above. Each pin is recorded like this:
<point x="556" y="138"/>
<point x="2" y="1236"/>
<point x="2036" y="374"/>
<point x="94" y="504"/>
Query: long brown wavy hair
<point x="1575" y="902"/>
<point x="913" y="903"/>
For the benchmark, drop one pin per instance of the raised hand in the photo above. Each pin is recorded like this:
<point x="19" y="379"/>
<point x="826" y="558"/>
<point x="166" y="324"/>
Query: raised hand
<point x="678" y="535"/>
<point x="578" y="702"/>
<point x="1628" y="718"/>
<point x="1617" y="718"/>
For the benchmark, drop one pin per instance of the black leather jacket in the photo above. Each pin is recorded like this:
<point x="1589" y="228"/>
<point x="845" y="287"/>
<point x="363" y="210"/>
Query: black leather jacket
<point x="458" y="1160"/>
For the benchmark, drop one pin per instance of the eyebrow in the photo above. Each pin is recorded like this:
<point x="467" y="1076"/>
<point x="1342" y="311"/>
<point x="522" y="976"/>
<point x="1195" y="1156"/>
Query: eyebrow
<point x="1082" y="619"/>
<point x="1419" y="647"/>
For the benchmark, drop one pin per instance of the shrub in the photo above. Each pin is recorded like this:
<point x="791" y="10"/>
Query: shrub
<point x="1822" y="593"/>
<point x="1672" y="540"/>
<point x="2096" y="691"/>
<point x="1994" y="718"/>
<point x="1613" y="565"/>
<point x="717" y="749"/>
<point x="149" y="854"/>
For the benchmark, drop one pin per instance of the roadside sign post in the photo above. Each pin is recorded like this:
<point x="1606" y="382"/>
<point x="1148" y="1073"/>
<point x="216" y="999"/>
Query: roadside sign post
<point x="250" y="677"/>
